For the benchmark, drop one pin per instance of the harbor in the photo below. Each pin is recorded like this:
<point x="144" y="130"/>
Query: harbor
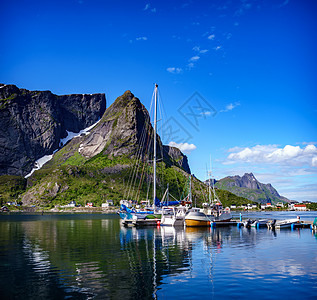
<point x="92" y="256"/>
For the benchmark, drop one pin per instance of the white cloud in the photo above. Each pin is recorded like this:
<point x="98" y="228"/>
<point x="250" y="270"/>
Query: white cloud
<point x="211" y="37"/>
<point x="196" y="48"/>
<point x="217" y="48"/>
<point x="148" y="7"/>
<point x="194" y="58"/>
<point x="205" y="113"/>
<point x="141" y="38"/>
<point x="190" y="66"/>
<point x="184" y="147"/>
<point x="202" y="51"/>
<point x="230" y="106"/>
<point x="271" y="154"/>
<point x="174" y="70"/>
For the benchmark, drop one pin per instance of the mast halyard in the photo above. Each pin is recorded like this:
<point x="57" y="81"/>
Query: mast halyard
<point x="154" y="156"/>
<point x="209" y="185"/>
<point x="190" y="188"/>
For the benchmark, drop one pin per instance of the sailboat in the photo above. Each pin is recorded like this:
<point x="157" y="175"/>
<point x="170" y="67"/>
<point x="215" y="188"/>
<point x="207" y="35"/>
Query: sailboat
<point x="149" y="217"/>
<point x="172" y="216"/>
<point x="214" y="209"/>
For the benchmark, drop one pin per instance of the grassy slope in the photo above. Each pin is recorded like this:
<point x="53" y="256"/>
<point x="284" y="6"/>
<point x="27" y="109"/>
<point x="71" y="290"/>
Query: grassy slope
<point x="11" y="187"/>
<point x="102" y="177"/>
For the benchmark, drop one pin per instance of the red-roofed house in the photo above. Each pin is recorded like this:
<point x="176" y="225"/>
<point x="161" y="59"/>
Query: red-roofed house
<point x="300" y="207"/>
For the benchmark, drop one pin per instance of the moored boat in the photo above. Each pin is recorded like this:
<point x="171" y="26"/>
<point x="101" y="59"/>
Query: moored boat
<point x="283" y="223"/>
<point x="173" y="216"/>
<point x="196" y="218"/>
<point x="214" y="209"/>
<point x="259" y="223"/>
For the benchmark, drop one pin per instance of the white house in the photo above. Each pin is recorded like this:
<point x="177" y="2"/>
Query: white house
<point x="250" y="206"/>
<point x="107" y="204"/>
<point x="70" y="204"/>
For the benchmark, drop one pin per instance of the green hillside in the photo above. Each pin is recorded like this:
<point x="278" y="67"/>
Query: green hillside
<point x="102" y="178"/>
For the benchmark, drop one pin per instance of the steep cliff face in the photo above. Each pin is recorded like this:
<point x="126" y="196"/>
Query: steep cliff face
<point x="124" y="130"/>
<point x="33" y="122"/>
<point x="104" y="161"/>
<point x="121" y="131"/>
<point x="177" y="156"/>
<point x="249" y="187"/>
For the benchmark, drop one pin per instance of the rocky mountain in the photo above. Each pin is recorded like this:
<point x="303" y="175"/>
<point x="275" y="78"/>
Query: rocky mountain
<point x="113" y="160"/>
<point x="124" y="130"/>
<point x="120" y="144"/>
<point x="249" y="187"/>
<point x="33" y="122"/>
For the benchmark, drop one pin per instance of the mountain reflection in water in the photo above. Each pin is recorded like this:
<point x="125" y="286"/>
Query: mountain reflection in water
<point x="94" y="257"/>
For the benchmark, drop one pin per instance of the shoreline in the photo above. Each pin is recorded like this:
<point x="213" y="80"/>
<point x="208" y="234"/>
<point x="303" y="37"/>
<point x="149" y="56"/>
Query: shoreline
<point x="114" y="209"/>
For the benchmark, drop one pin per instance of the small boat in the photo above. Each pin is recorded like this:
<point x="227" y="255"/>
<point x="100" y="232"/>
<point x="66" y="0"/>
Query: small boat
<point x="283" y="223"/>
<point x="140" y="220"/>
<point x="196" y="218"/>
<point x="259" y="223"/>
<point x="248" y="223"/>
<point x="173" y="216"/>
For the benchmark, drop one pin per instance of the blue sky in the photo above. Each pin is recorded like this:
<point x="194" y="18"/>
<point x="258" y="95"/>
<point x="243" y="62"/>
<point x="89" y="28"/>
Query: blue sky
<point x="237" y="78"/>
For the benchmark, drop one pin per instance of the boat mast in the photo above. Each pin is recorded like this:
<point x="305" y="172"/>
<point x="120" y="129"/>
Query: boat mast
<point x="154" y="156"/>
<point x="209" y="185"/>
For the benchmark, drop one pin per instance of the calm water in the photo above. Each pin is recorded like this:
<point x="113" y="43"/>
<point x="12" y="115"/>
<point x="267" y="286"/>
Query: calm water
<point x="93" y="257"/>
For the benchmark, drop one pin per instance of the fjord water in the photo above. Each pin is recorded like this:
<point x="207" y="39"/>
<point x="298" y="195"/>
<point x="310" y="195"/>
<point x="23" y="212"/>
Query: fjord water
<point x="81" y="256"/>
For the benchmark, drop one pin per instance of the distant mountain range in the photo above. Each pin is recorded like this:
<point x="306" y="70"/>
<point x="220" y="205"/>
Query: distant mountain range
<point x="249" y="187"/>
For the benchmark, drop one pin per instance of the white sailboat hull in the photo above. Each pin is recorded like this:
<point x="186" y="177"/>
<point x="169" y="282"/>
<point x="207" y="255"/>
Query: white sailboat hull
<point x="172" y="221"/>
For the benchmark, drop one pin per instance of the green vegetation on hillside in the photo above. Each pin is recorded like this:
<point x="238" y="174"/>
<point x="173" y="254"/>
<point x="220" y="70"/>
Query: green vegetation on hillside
<point x="10" y="188"/>
<point x="104" y="178"/>
<point x="312" y="206"/>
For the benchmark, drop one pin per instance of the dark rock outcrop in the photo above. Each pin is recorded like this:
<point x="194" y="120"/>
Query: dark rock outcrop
<point x="177" y="156"/>
<point x="33" y="122"/>
<point x="247" y="181"/>
<point x="125" y="129"/>
<point x="121" y="131"/>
